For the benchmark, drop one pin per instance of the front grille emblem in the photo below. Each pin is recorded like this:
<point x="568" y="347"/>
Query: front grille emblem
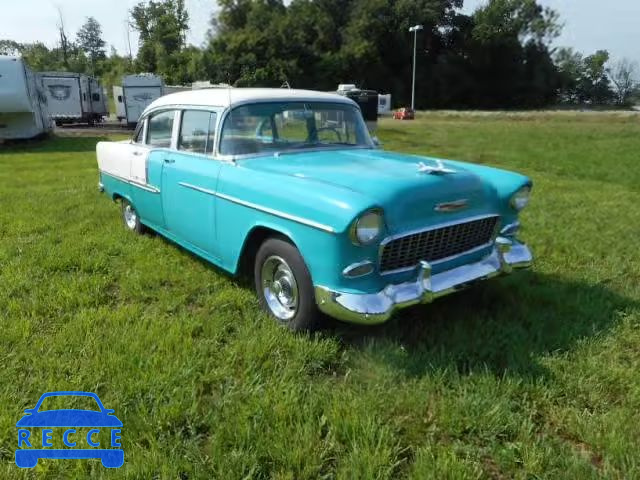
<point x="449" y="207"/>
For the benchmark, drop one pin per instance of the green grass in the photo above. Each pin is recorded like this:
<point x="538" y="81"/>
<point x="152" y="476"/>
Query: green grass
<point x="530" y="376"/>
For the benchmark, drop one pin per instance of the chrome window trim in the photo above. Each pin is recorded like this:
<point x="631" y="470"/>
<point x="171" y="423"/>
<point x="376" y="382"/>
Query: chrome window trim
<point x="212" y="110"/>
<point x="270" y="211"/>
<point x="174" y="132"/>
<point x="436" y="227"/>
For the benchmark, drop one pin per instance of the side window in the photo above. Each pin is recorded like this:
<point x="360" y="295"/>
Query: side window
<point x="160" y="128"/>
<point x="96" y="97"/>
<point x="119" y="98"/>
<point x="197" y="132"/>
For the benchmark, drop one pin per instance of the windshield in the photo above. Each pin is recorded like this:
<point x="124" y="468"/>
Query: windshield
<point x="281" y="126"/>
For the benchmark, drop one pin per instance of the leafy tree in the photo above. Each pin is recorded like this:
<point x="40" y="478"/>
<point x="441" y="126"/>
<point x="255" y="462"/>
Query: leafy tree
<point x="9" y="47"/>
<point x="318" y="44"/>
<point x="594" y="84"/>
<point x="90" y="41"/>
<point x="162" y="25"/>
<point x="624" y="76"/>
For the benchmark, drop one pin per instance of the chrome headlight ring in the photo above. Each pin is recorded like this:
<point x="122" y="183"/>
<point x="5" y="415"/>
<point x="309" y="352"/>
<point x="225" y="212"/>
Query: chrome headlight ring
<point x="521" y="198"/>
<point x="367" y="228"/>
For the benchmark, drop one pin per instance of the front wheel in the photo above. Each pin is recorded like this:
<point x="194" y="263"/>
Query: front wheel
<point x="284" y="286"/>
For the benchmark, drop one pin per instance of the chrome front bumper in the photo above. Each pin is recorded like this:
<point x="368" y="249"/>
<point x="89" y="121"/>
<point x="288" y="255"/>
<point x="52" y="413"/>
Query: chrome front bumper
<point x="507" y="255"/>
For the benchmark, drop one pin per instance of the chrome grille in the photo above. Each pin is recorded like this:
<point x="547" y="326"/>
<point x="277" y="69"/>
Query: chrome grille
<point x="437" y="244"/>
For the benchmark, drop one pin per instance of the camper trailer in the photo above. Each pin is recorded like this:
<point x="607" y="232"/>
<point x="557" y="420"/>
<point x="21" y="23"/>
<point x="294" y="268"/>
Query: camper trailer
<point x="169" y="89"/>
<point x="74" y="97"/>
<point x="204" y="84"/>
<point x="23" y="103"/>
<point x="136" y="92"/>
<point x="366" y="99"/>
<point x="384" y="104"/>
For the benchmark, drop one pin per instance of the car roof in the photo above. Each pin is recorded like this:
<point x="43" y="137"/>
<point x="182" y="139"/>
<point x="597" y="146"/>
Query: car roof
<point x="226" y="97"/>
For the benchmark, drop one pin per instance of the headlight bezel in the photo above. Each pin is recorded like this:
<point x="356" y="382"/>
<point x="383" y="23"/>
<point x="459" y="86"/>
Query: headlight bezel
<point x="521" y="198"/>
<point x="354" y="234"/>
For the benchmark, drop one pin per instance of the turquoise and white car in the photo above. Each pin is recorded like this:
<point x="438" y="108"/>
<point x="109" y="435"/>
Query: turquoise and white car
<point x="288" y="185"/>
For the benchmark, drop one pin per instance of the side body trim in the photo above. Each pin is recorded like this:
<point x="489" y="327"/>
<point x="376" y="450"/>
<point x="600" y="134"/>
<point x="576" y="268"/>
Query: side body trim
<point x="144" y="186"/>
<point x="270" y="211"/>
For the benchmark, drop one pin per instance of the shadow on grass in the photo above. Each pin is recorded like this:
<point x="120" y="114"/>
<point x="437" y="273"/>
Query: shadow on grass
<point x="500" y="326"/>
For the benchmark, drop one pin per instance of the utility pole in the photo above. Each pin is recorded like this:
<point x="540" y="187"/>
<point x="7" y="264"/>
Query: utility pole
<point x="127" y="26"/>
<point x="415" y="29"/>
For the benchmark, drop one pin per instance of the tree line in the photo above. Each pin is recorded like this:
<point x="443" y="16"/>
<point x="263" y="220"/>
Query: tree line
<point x="500" y="56"/>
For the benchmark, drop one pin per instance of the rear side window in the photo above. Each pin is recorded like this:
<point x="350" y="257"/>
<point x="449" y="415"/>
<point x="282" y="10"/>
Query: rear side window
<point x="160" y="128"/>
<point x="197" y="132"/>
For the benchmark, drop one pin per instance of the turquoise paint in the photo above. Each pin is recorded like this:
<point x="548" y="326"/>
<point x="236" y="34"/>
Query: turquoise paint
<point x="331" y="188"/>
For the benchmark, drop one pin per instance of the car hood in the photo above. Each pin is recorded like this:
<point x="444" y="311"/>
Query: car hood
<point x="393" y="181"/>
<point x="69" y="418"/>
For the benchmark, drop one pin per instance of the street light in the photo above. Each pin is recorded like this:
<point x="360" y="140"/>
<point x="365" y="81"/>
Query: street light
<point x="415" y="29"/>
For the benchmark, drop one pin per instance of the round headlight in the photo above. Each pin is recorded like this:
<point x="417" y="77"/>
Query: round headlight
<point x="520" y="199"/>
<point x="367" y="228"/>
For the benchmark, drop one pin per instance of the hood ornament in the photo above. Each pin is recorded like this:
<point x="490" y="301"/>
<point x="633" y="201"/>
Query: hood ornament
<point x="439" y="169"/>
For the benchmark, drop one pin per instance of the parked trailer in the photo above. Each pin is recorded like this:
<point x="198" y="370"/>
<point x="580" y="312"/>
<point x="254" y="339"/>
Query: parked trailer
<point x="74" y="97"/>
<point x="384" y="104"/>
<point x="366" y="99"/>
<point x="23" y="103"/>
<point x="169" y="89"/>
<point x="135" y="94"/>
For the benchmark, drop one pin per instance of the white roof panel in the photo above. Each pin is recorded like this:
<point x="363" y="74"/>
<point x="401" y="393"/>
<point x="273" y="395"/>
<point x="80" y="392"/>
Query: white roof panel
<point x="225" y="97"/>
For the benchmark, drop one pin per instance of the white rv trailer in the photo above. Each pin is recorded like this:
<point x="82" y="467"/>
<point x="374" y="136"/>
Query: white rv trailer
<point x="169" y="89"/>
<point x="23" y="103"/>
<point x="384" y="104"/>
<point x="203" y="84"/>
<point x="74" y="97"/>
<point x="135" y="94"/>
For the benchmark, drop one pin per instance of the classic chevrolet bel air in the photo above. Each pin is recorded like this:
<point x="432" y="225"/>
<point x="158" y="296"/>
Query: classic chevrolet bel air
<point x="288" y="185"/>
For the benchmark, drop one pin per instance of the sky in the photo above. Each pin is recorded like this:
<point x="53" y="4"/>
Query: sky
<point x="589" y="25"/>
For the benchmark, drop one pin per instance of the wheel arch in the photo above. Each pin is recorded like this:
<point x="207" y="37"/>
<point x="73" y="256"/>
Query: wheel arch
<point x="117" y="197"/>
<point x="252" y="242"/>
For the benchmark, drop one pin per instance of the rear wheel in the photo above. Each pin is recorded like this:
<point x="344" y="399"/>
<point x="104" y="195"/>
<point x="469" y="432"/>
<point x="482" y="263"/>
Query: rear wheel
<point x="130" y="218"/>
<point x="284" y="286"/>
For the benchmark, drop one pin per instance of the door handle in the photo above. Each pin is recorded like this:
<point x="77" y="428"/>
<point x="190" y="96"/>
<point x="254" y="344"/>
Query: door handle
<point x="169" y="160"/>
<point x="137" y="153"/>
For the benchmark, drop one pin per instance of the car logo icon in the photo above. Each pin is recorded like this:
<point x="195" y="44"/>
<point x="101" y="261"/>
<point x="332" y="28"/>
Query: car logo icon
<point x="98" y="428"/>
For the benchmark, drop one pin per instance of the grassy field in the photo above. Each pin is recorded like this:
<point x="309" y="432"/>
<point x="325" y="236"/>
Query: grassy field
<point x="531" y="376"/>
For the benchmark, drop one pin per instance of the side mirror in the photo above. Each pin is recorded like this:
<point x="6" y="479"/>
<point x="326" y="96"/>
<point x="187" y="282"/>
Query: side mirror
<point x="29" y="410"/>
<point x="376" y="142"/>
<point x="109" y="411"/>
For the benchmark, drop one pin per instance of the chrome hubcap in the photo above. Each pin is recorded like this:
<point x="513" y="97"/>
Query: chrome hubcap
<point x="279" y="288"/>
<point x="130" y="217"/>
